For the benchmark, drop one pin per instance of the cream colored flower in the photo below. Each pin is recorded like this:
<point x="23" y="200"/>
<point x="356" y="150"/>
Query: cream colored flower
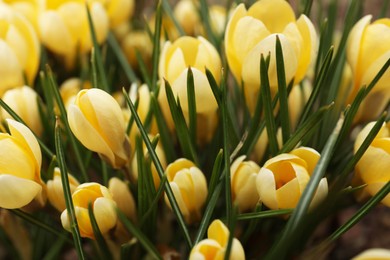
<point x="243" y="181"/>
<point x="55" y="191"/>
<point x="176" y="58"/>
<point x="20" y="166"/>
<point x="284" y="177"/>
<point x="64" y="29"/>
<point x="189" y="186"/>
<point x="187" y="15"/>
<point x="119" y="11"/>
<point x="373" y="254"/>
<point x="368" y="49"/>
<point x="252" y="32"/>
<point x="122" y="196"/>
<point x="19" y="49"/>
<point x="137" y="41"/>
<point x="24" y="102"/>
<point x="103" y="209"/>
<point x="373" y="168"/>
<point x="214" y="247"/>
<point x="97" y="121"/>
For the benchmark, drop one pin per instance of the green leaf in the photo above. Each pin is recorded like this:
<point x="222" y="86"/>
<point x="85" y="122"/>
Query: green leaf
<point x="291" y="230"/>
<point x="168" y="10"/>
<point x="64" y="119"/>
<point x="156" y="45"/>
<point x="191" y="105"/>
<point x="160" y="170"/>
<point x="215" y="174"/>
<point x="205" y="18"/>
<point x="133" y="229"/>
<point x="264" y="214"/>
<point x="67" y="193"/>
<point x="282" y="88"/>
<point x="268" y="110"/>
<point x="129" y="72"/>
<point x="97" y="56"/>
<point x="143" y="68"/>
<point x="307" y="4"/>
<point x="102" y="245"/>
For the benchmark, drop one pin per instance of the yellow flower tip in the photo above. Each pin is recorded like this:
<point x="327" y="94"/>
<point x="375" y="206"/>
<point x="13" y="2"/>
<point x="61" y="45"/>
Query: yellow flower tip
<point x="189" y="186"/>
<point x="243" y="182"/>
<point x="24" y="102"/>
<point x="373" y="254"/>
<point x="283" y="178"/>
<point x="373" y="168"/>
<point x="123" y="197"/>
<point x="367" y="51"/>
<point x="55" y="192"/>
<point x="103" y="209"/>
<point x="195" y="53"/>
<point x="214" y="247"/>
<point x="187" y="15"/>
<point x="97" y="121"/>
<point x="253" y="32"/>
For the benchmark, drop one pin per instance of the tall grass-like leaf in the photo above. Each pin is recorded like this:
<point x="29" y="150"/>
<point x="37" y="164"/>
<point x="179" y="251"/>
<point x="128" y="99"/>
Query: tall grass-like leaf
<point x="168" y="10"/>
<point x="215" y="174"/>
<point x="307" y="4"/>
<point x="102" y="245"/>
<point x="267" y="103"/>
<point x="205" y="18"/>
<point x="64" y="119"/>
<point x="55" y="249"/>
<point x="181" y="126"/>
<point x="156" y="45"/>
<point x="15" y="116"/>
<point x="130" y="74"/>
<point x="143" y="68"/>
<point x="67" y="193"/>
<point x="317" y="86"/>
<point x="191" y="105"/>
<point x="160" y="170"/>
<point x="133" y="229"/>
<point x="97" y="55"/>
<point x="291" y="231"/>
<point x="282" y="88"/>
<point x="264" y="214"/>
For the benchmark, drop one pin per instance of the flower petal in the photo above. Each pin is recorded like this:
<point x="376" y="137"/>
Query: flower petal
<point x="105" y="214"/>
<point x="218" y="232"/>
<point x="266" y="187"/>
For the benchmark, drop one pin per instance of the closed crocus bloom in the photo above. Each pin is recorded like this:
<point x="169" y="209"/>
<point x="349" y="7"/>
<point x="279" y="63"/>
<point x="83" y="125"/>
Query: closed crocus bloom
<point x="97" y="121"/>
<point x="187" y="15"/>
<point x="214" y="247"/>
<point x="373" y="168"/>
<point x="119" y="11"/>
<point x="64" y="29"/>
<point x="103" y="209"/>
<point x="243" y="181"/>
<point x="368" y="49"/>
<point x="122" y="196"/>
<point x="137" y="40"/>
<point x="20" y="165"/>
<point x="198" y="54"/>
<point x="284" y="177"/>
<point x="189" y="186"/>
<point x="373" y="254"/>
<point x="19" y="49"/>
<point x="24" y="101"/>
<point x="252" y="32"/>
<point x="55" y="192"/>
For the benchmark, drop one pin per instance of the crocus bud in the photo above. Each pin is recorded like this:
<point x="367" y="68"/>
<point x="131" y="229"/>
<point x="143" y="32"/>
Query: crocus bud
<point x="24" y="102"/>
<point x="137" y="41"/>
<point x="119" y="11"/>
<point x="373" y="168"/>
<point x="197" y="54"/>
<point x="187" y="15"/>
<point x="368" y="49"/>
<point x="55" y="192"/>
<point x="64" y="29"/>
<point x="123" y="197"/>
<point x="103" y="209"/>
<point x="373" y="254"/>
<point x="243" y="181"/>
<point x="189" y="186"/>
<point x="283" y="178"/>
<point x="20" y="166"/>
<point x="97" y="121"/>
<point x="19" y="49"/>
<point x="214" y="247"/>
<point x="252" y="32"/>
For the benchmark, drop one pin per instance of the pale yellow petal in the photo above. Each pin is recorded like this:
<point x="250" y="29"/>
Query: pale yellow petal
<point x="288" y="195"/>
<point x="205" y="249"/>
<point x="175" y="66"/>
<point x="179" y="200"/>
<point x="374" y="166"/>
<point x="372" y="70"/>
<point x="176" y="166"/>
<point x="374" y="188"/>
<point x="373" y="254"/>
<point x="12" y="74"/>
<point x="321" y="193"/>
<point x="309" y="155"/>
<point x="266" y="187"/>
<point x="17" y="192"/>
<point x="105" y="214"/>
<point x="218" y="232"/>
<point x="162" y="65"/>
<point x="237" y="252"/>
<point x="214" y="66"/>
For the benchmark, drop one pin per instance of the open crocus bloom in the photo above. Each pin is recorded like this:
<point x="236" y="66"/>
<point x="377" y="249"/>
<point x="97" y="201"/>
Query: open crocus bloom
<point x="97" y="121"/>
<point x="283" y="178"/>
<point x="253" y="32"/>
<point x="189" y="186"/>
<point x="103" y="209"/>
<point x="368" y="49"/>
<point x="373" y="168"/>
<point x="214" y="247"/>
<point x="20" y="166"/>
